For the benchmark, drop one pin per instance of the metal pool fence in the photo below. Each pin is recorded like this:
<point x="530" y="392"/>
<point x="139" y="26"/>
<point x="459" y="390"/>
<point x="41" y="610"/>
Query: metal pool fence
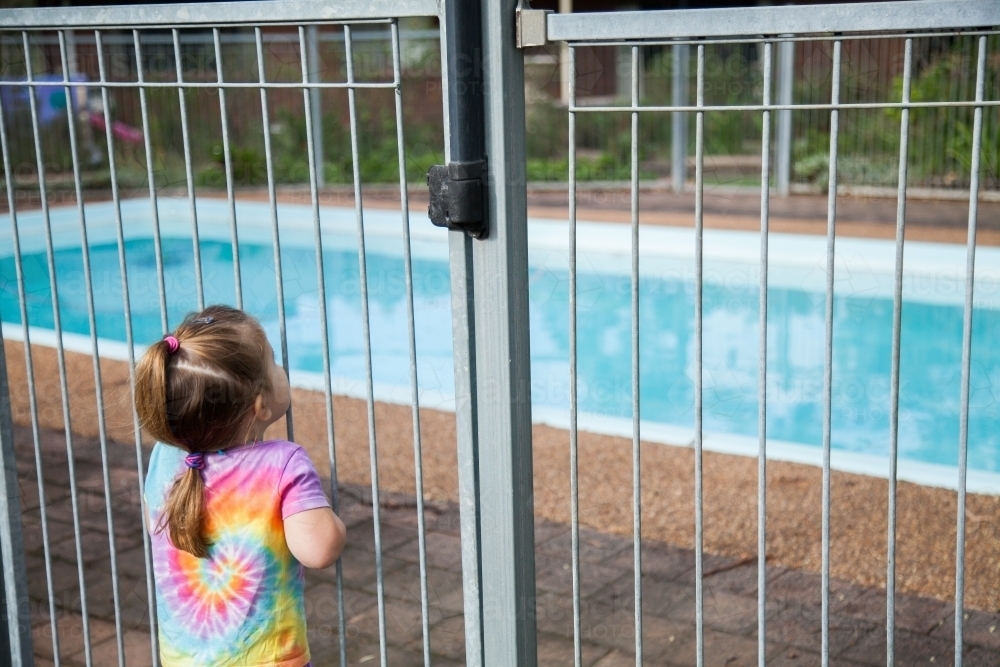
<point x="485" y="208"/>
<point x="767" y="27"/>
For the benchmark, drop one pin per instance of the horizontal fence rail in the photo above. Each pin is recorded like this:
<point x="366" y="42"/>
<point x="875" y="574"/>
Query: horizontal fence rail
<point x="865" y="17"/>
<point x="236" y="38"/>
<point x="266" y="12"/>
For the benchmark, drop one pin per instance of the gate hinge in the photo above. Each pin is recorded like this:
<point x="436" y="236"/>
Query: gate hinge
<point x="531" y="25"/>
<point x="458" y="197"/>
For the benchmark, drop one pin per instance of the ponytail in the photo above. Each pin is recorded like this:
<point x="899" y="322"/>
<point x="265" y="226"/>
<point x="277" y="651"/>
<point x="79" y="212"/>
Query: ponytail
<point x="195" y="390"/>
<point x="151" y="392"/>
<point x="184" y="512"/>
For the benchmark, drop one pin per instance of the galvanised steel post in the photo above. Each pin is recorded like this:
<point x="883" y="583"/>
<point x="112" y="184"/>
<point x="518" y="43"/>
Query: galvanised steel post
<point x="16" y="610"/>
<point x="462" y="91"/>
<point x="502" y="362"/>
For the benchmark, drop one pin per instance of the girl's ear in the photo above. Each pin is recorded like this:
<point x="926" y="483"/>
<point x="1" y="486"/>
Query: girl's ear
<point x="261" y="411"/>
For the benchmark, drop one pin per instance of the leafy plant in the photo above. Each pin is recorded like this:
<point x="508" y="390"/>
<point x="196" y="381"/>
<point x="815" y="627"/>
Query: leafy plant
<point x="940" y="140"/>
<point x="954" y="128"/>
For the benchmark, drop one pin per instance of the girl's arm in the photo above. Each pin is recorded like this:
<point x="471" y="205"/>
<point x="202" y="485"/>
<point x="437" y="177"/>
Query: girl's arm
<point x="315" y="537"/>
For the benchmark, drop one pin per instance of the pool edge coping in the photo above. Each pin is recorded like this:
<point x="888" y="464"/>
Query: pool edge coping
<point x="917" y="472"/>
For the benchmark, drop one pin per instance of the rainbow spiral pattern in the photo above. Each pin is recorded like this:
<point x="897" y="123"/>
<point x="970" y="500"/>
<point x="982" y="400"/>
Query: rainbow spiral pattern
<point x="243" y="605"/>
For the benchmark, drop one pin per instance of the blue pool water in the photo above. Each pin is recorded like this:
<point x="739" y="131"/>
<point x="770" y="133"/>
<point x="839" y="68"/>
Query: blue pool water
<point x="930" y="359"/>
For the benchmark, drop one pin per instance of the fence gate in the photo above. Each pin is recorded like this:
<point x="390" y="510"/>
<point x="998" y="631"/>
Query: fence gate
<point x="168" y="54"/>
<point x="767" y="30"/>
<point x="480" y="195"/>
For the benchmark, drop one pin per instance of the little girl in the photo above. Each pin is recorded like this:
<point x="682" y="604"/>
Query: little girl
<point x="233" y="518"/>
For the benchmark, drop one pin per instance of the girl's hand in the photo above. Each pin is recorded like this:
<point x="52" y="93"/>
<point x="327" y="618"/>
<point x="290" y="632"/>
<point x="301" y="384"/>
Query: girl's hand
<point x="315" y="537"/>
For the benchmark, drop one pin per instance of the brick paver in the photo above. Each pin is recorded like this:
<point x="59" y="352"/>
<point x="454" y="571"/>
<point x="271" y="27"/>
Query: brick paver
<point x="924" y="635"/>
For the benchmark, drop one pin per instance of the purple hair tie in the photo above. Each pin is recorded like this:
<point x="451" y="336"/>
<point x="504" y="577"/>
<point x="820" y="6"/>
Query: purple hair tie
<point x="195" y="460"/>
<point x="172" y="344"/>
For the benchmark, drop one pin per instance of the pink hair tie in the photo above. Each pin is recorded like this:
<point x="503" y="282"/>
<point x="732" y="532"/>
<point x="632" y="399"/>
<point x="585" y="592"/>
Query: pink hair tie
<point x="195" y="460"/>
<point x="172" y="343"/>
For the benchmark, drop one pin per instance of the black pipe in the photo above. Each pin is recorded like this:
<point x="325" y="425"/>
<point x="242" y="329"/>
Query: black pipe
<point x="464" y="39"/>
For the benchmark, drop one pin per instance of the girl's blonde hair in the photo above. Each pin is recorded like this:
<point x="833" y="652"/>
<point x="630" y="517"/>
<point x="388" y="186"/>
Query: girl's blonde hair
<point x="200" y="397"/>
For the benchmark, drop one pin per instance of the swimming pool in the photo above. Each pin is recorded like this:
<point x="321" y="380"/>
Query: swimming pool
<point x="930" y="352"/>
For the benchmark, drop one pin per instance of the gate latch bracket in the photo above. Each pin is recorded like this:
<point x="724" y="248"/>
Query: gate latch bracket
<point x="458" y="197"/>
<point x="531" y="25"/>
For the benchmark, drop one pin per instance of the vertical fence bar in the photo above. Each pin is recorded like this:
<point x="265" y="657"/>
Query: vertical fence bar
<point x="502" y="356"/>
<point x="92" y="324"/>
<point x="316" y="101"/>
<point x="786" y="86"/>
<point x="16" y="606"/>
<point x="461" y="84"/>
<point x="897" y="323"/>
<point x="366" y="326"/>
<point x="60" y="354"/>
<point x="418" y="460"/>
<point x="566" y="79"/>
<point x="574" y="459"/>
<point x="29" y="364"/>
<point x="151" y="179"/>
<point x="228" y="160"/>
<point x="678" y="119"/>
<point x="831" y="222"/>
<point x="164" y="323"/>
<point x="699" y="505"/>
<point x="279" y="282"/>
<point x="636" y="469"/>
<point x="963" y="416"/>
<point x="331" y="444"/>
<point x="189" y="169"/>
<point x="765" y="173"/>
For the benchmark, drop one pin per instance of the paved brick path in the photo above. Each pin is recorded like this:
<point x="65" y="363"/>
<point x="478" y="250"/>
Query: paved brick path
<point x="857" y="623"/>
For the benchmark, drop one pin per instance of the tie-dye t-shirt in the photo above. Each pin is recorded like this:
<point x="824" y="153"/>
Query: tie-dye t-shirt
<point x="243" y="605"/>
